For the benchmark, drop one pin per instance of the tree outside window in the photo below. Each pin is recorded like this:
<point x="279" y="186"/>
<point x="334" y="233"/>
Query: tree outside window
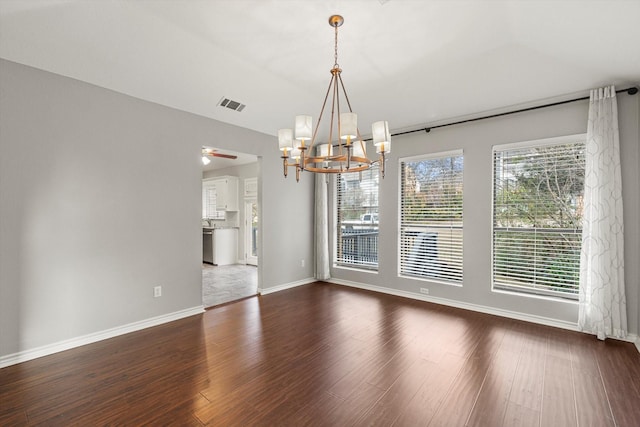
<point x="537" y="218"/>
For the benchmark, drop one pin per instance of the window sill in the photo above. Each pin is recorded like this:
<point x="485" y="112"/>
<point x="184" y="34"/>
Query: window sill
<point x="361" y="270"/>
<point x="430" y="280"/>
<point x="536" y="296"/>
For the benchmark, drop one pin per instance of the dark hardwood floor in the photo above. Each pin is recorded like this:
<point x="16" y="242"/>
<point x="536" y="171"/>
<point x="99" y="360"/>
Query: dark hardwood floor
<point x="331" y="356"/>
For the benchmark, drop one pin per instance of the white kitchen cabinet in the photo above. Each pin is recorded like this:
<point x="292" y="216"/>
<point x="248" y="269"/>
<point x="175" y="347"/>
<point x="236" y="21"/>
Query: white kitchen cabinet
<point x="225" y="246"/>
<point x="226" y="193"/>
<point x="220" y="245"/>
<point x="250" y="187"/>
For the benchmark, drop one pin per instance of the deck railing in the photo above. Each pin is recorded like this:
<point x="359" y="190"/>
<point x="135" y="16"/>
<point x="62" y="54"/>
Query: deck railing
<point x="359" y="248"/>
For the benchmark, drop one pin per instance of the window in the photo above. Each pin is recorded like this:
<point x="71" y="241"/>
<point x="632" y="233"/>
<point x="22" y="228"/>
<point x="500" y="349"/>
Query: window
<point x="431" y="217"/>
<point x="537" y="216"/>
<point x="357" y="219"/>
<point x="209" y="198"/>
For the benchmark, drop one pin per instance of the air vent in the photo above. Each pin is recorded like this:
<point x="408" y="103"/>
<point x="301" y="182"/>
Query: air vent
<point x="231" y="104"/>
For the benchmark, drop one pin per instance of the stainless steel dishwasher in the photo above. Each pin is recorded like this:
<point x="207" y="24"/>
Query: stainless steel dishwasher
<point x="207" y="246"/>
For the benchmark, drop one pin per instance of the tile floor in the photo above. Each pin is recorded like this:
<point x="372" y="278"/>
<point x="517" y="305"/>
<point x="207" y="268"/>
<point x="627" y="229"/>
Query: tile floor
<point x="225" y="283"/>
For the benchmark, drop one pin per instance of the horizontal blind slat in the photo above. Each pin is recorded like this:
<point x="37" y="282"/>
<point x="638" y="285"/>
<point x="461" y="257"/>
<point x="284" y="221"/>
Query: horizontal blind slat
<point x="537" y="213"/>
<point x="431" y="232"/>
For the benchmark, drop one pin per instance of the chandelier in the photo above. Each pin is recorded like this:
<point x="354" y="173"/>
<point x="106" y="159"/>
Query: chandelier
<point x="348" y="153"/>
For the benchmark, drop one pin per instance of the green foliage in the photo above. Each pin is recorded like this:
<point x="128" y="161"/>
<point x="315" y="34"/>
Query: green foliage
<point x="544" y="261"/>
<point x="432" y="190"/>
<point x="357" y="194"/>
<point x="539" y="189"/>
<point x="543" y="187"/>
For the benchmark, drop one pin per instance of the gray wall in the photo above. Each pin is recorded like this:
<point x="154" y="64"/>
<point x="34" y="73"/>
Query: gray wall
<point x="633" y="230"/>
<point x="100" y="198"/>
<point x="100" y="201"/>
<point x="477" y="139"/>
<point x="242" y="172"/>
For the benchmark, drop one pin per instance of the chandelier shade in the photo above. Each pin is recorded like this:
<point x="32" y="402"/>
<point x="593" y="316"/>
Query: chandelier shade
<point x="358" y="149"/>
<point x="344" y="150"/>
<point x="303" y="128"/>
<point x="381" y="134"/>
<point x="326" y="150"/>
<point x="348" y="125"/>
<point x="285" y="139"/>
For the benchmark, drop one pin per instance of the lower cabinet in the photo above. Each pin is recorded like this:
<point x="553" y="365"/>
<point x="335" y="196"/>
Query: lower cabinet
<point x="225" y="246"/>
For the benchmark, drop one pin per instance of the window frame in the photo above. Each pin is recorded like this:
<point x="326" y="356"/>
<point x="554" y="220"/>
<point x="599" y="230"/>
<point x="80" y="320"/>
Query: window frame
<point x="514" y="290"/>
<point x="436" y="155"/>
<point x="211" y="214"/>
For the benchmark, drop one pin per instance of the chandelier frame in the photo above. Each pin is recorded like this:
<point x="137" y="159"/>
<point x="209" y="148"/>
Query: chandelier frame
<point x="351" y="155"/>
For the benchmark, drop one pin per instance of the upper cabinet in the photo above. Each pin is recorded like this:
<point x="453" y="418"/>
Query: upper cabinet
<point x="226" y="193"/>
<point x="250" y="187"/>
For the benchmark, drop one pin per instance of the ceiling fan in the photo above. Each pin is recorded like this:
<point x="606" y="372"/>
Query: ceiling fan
<point x="210" y="152"/>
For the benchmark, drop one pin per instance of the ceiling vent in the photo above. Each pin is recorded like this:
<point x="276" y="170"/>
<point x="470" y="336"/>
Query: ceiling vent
<point x="234" y="105"/>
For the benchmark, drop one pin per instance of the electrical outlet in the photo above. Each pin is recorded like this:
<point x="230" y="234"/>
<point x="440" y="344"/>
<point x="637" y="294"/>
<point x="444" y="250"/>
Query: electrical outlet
<point x="157" y="291"/>
<point x="301" y="263"/>
<point x="424" y="291"/>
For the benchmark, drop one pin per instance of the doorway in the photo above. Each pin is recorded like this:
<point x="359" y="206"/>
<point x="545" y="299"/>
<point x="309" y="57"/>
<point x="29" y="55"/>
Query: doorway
<point x="233" y="212"/>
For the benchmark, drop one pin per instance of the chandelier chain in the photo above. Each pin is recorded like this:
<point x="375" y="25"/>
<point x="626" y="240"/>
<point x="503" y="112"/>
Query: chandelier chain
<point x="335" y="48"/>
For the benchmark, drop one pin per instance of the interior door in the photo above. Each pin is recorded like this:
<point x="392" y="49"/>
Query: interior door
<point x="251" y="231"/>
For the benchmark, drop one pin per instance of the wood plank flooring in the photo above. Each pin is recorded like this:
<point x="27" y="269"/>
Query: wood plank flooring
<point x="326" y="355"/>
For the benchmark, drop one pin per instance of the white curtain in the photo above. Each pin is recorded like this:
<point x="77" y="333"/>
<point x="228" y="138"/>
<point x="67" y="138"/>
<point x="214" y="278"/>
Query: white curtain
<point x="602" y="308"/>
<point x="322" y="227"/>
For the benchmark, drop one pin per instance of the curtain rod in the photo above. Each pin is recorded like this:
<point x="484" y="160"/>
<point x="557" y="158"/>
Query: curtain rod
<point x="631" y="91"/>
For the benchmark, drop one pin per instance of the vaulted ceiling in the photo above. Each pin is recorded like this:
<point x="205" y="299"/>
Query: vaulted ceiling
<point x="410" y="62"/>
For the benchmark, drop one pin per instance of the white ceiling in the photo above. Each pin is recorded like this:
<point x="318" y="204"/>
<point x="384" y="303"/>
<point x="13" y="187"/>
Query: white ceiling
<point x="409" y="62"/>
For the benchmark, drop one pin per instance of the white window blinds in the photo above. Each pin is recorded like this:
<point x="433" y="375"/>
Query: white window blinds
<point x="431" y="217"/>
<point x="209" y="198"/>
<point x="357" y="219"/>
<point x="537" y="217"/>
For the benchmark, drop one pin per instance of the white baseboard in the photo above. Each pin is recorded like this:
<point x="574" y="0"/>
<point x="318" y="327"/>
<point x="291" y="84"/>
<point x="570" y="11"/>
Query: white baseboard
<point x="46" y="350"/>
<point x="464" y="305"/>
<point x="475" y="307"/>
<point x="286" y="286"/>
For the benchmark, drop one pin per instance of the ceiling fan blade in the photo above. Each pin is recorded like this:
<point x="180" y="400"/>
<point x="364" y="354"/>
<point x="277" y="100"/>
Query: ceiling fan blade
<point x="226" y="156"/>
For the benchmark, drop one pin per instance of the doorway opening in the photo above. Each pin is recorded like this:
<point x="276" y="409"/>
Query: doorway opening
<point x="230" y="218"/>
